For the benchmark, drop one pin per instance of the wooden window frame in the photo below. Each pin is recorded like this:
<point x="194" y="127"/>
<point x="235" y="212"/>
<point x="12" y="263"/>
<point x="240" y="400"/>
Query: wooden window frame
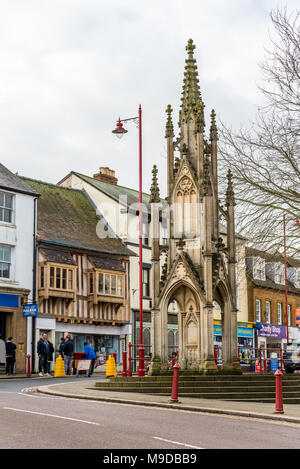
<point x="54" y="278"/>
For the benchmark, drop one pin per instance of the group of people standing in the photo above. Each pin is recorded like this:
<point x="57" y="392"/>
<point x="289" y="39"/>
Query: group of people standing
<point x="45" y="352"/>
<point x="8" y="355"/>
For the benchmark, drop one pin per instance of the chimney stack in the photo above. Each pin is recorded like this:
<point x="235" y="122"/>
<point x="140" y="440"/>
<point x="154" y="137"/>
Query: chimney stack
<point x="106" y="175"/>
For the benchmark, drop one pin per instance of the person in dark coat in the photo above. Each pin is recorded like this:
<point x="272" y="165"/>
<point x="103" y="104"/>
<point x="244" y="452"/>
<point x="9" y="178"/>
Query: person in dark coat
<point x="43" y="353"/>
<point x="68" y="355"/>
<point x="61" y="347"/>
<point x="10" y="348"/>
<point x="50" y="357"/>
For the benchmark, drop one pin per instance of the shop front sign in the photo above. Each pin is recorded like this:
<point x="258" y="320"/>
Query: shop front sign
<point x="272" y="330"/>
<point x="30" y="310"/>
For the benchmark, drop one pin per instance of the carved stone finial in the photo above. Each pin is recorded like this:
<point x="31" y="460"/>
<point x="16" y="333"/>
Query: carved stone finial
<point x="230" y="199"/>
<point x="169" y="124"/>
<point x="213" y="126"/>
<point x="190" y="92"/>
<point x="154" y="190"/>
<point x="190" y="47"/>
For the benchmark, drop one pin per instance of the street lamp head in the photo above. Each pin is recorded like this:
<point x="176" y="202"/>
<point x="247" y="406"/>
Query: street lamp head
<point x="119" y="130"/>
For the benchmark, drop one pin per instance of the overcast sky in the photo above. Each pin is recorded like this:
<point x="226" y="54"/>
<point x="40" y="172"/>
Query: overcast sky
<point x="70" y="68"/>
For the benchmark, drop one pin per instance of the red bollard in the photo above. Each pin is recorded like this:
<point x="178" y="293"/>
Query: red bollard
<point x="124" y="374"/>
<point x="28" y="365"/>
<point x="174" y="397"/>
<point x="141" y="370"/>
<point x="129" y="359"/>
<point x="279" y="400"/>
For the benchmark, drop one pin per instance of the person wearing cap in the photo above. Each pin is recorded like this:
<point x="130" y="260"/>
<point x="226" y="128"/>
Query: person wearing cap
<point x="2" y="350"/>
<point x="68" y="355"/>
<point x="10" y="347"/>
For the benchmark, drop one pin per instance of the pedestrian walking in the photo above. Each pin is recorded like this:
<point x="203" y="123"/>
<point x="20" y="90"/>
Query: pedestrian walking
<point x="10" y="348"/>
<point x="43" y="353"/>
<point x="50" y="357"/>
<point x="2" y="350"/>
<point x="90" y="355"/>
<point x="68" y="355"/>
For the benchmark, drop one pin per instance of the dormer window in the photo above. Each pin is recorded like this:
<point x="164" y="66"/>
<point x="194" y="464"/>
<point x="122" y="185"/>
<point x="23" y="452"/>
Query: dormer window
<point x="259" y="268"/>
<point x="297" y="278"/>
<point x="279" y="273"/>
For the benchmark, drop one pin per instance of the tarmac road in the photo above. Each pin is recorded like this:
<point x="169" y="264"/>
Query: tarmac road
<point x="31" y="420"/>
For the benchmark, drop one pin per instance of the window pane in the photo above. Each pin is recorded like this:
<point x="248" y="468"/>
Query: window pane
<point x="106" y="284"/>
<point x="64" y="279"/>
<point x="52" y="277"/>
<point x="120" y="286"/>
<point x="6" y="254"/>
<point x="91" y="283"/>
<point x="42" y="277"/>
<point x="1" y="199"/>
<point x="70" y="280"/>
<point x="4" y="269"/>
<point x="113" y="285"/>
<point x="8" y="201"/>
<point x="58" y="277"/>
<point x="7" y="215"/>
<point x="100" y="288"/>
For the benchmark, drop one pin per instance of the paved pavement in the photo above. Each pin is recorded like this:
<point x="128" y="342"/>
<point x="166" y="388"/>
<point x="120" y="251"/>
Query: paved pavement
<point x="84" y="389"/>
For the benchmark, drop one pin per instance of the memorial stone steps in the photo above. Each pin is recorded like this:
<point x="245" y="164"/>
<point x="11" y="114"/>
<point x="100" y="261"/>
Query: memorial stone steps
<point x="247" y="387"/>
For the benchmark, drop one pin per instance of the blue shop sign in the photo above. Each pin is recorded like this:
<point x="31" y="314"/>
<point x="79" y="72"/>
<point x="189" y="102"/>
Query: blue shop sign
<point x="243" y="329"/>
<point x="30" y="310"/>
<point x="9" y="301"/>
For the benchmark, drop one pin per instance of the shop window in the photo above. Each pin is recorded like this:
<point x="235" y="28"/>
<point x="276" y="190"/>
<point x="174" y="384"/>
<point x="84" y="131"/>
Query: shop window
<point x="6" y="207"/>
<point x="5" y="261"/>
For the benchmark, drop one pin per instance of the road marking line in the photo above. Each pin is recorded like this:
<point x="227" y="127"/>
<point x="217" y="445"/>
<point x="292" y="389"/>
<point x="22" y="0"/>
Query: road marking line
<point x="177" y="443"/>
<point x="52" y="415"/>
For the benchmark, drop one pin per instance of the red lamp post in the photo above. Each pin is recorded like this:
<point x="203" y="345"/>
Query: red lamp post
<point x="285" y="281"/>
<point x="120" y="131"/>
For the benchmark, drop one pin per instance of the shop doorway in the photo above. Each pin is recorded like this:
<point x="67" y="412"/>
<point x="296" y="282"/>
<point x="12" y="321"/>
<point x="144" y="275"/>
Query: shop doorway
<point x="3" y="325"/>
